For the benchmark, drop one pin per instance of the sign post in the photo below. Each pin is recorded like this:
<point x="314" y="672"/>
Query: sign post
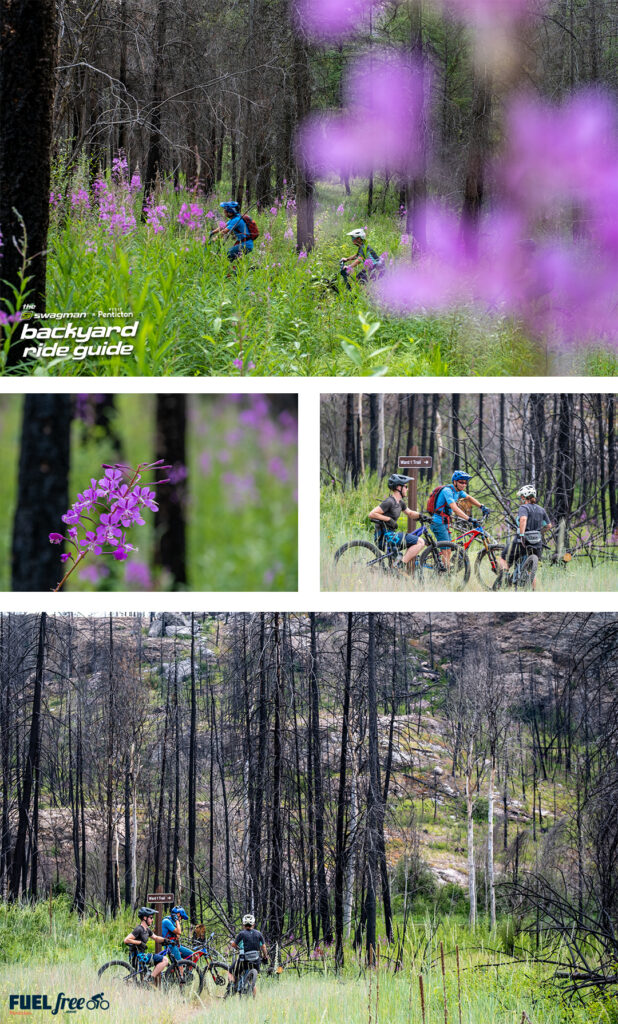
<point x="414" y="461"/>
<point x="157" y="901"/>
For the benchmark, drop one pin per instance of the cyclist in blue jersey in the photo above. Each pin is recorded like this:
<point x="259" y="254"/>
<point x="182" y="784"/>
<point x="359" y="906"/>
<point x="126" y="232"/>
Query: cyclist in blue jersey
<point x="172" y="928"/>
<point x="139" y="937"/>
<point x="446" y="506"/>
<point x="237" y="229"/>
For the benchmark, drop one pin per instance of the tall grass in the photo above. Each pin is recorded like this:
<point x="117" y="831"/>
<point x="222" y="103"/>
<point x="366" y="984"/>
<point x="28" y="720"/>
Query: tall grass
<point x="344" y="517"/>
<point x="275" y="316"/>
<point x="489" y="988"/>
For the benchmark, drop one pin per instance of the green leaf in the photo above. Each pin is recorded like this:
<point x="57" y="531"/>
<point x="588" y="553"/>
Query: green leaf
<point x="352" y="352"/>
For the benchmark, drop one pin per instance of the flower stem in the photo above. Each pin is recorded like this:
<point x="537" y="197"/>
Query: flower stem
<point x="79" y="559"/>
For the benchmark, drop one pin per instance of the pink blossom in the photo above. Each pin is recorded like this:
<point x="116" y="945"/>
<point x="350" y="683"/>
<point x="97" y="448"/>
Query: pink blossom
<point x="328" y="19"/>
<point x="288" y="233"/>
<point x="340" y="209"/>
<point x="381" y="125"/>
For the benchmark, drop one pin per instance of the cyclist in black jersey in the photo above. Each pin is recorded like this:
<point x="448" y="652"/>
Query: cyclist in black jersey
<point x="252" y="949"/>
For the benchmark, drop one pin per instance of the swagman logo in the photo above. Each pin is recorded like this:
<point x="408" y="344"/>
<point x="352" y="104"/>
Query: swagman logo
<point x="24" y="1004"/>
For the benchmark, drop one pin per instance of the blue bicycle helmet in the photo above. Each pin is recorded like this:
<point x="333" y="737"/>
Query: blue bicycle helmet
<point x="230" y="206"/>
<point x="459" y="475"/>
<point x="179" y="912"/>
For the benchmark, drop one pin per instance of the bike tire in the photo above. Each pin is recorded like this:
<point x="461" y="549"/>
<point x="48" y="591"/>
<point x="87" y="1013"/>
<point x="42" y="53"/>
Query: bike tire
<point x="526" y="572"/>
<point x="487" y="566"/>
<point x="431" y="566"/>
<point x="215" y="981"/>
<point x="357" y="558"/>
<point x="119" y="970"/>
<point x="187" y="983"/>
<point x="248" y="982"/>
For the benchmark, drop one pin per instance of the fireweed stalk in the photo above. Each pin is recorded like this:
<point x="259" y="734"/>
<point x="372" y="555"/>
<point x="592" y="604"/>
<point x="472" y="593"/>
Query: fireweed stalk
<point x="100" y="518"/>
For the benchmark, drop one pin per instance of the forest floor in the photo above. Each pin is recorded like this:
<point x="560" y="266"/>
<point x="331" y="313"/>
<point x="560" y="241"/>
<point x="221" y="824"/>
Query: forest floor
<point x="500" y="994"/>
<point x="277" y="314"/>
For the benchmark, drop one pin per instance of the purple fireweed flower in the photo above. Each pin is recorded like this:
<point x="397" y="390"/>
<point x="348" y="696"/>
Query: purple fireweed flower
<point x="274" y="210"/>
<point x="331" y="19"/>
<point x="288" y="233"/>
<point x="381" y="125"/>
<point x="138" y="575"/>
<point x="80" y="201"/>
<point x="278" y="469"/>
<point x="340" y="209"/>
<point x="190" y="216"/>
<point x="101" y="514"/>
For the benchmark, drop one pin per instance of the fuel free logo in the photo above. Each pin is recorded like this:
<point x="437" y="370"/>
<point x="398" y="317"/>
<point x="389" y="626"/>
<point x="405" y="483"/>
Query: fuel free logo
<point x="22" y="1004"/>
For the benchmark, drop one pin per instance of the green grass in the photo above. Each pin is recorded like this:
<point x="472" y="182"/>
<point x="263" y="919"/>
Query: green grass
<point x="242" y="509"/>
<point x="276" y="316"/>
<point x="67" y="960"/>
<point x="343" y="517"/>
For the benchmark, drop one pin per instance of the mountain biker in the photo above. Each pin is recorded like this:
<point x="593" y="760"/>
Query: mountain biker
<point x="172" y="928"/>
<point x="365" y="256"/>
<point x="530" y="517"/>
<point x="388" y="512"/>
<point x="446" y="506"/>
<point x="236" y="227"/>
<point x="251" y="946"/>
<point x="138" y="940"/>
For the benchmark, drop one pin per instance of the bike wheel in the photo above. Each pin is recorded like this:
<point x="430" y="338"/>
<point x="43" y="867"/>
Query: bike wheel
<point x="248" y="982"/>
<point x="183" y="978"/>
<point x="356" y="559"/>
<point x="215" y="980"/>
<point x="525" y="572"/>
<point x="119" y="970"/>
<point x="487" y="566"/>
<point x="434" y="572"/>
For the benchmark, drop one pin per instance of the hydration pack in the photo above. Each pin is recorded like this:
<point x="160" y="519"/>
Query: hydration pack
<point x="252" y="228"/>
<point x="432" y="499"/>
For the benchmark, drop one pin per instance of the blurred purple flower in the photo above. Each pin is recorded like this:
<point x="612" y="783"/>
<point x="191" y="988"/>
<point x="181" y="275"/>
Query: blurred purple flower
<point x="205" y="462"/>
<point x="331" y="19"/>
<point x="381" y="125"/>
<point x="340" y="209"/>
<point x="277" y="468"/>
<point x="137" y="575"/>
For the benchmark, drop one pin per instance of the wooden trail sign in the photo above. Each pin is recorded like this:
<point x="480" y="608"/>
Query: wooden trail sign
<point x="157" y="901"/>
<point x="414" y="461"/>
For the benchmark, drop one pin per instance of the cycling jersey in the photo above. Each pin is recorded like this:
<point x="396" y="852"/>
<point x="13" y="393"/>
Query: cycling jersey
<point x="446" y="497"/>
<point x="250" y="943"/>
<point x="393" y="509"/>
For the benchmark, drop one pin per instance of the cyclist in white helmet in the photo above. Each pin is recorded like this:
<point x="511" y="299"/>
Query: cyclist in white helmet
<point x="251" y="947"/>
<point x="530" y="517"/>
<point x="366" y="258"/>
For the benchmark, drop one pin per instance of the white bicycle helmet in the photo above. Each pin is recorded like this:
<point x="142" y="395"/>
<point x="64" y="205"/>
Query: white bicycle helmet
<point x="357" y="233"/>
<point x="527" y="491"/>
<point x="249" y="920"/>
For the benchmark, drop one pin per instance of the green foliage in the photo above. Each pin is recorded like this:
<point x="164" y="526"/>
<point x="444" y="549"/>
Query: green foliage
<point x="273" y="315"/>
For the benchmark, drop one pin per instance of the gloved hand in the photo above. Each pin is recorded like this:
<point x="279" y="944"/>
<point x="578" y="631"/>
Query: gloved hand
<point x="485" y="510"/>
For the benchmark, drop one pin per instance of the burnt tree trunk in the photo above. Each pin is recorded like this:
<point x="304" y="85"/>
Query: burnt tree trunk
<point x="28" y="44"/>
<point x="42" y="496"/>
<point x="170" y="548"/>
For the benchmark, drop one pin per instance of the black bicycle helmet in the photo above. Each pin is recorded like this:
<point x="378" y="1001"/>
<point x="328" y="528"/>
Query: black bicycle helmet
<point x="398" y="480"/>
<point x="145" y="912"/>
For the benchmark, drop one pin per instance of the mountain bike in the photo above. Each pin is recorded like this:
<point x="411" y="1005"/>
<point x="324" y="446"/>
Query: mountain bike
<point x="244" y="984"/>
<point x="487" y="562"/>
<point x="522" y="574"/>
<point x="212" y="967"/>
<point x="444" y="561"/>
<point x="181" y="976"/>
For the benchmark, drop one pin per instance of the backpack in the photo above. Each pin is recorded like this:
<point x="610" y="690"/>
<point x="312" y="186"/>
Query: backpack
<point x="254" y="231"/>
<point x="432" y="499"/>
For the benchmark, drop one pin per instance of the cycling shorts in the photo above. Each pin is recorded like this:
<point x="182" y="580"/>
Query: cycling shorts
<point x="440" y="530"/>
<point x="151" y="958"/>
<point x="176" y="952"/>
<point x="512" y="551"/>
